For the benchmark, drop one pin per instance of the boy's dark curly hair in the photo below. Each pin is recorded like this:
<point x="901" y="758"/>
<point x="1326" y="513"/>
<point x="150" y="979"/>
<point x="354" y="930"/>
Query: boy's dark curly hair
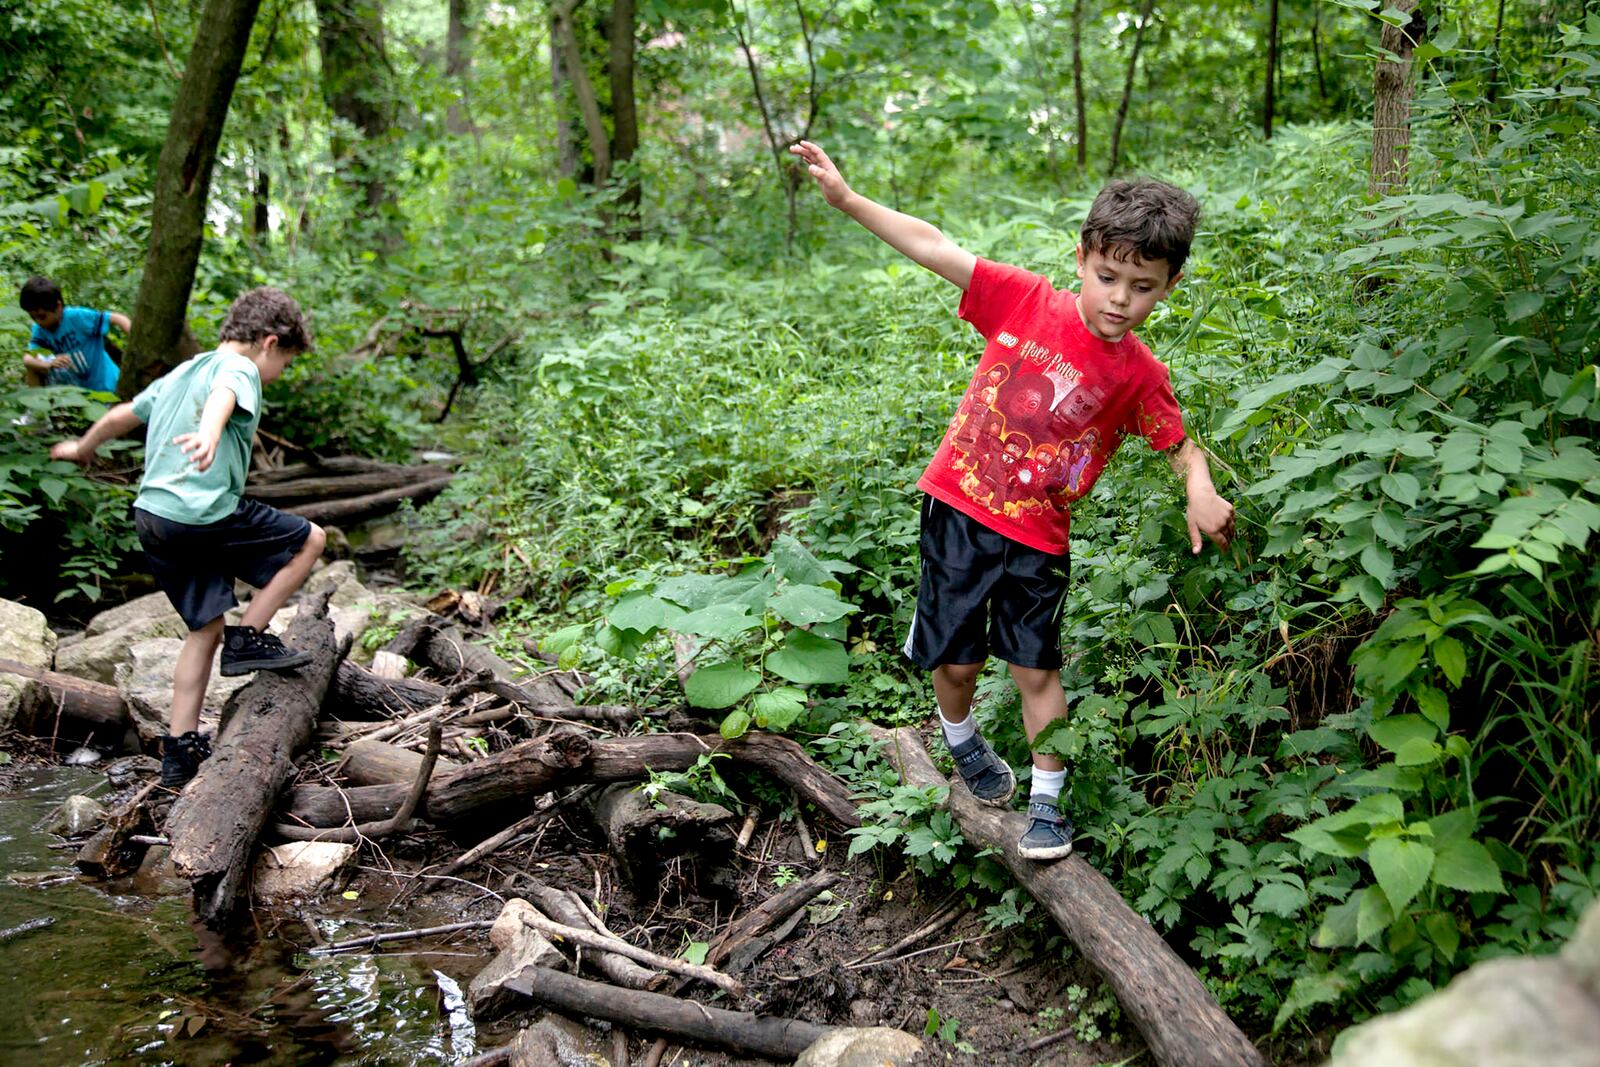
<point x="264" y="311"/>
<point x="40" y="294"/>
<point x="1150" y="219"/>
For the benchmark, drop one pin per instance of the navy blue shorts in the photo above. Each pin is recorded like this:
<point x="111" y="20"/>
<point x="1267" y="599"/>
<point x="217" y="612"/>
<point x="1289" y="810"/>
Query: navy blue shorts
<point x="980" y="592"/>
<point x="196" y="565"/>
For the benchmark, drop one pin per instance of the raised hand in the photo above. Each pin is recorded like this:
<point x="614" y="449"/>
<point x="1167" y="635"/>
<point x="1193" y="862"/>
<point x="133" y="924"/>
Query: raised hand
<point x="834" y="189"/>
<point x="69" y="450"/>
<point x="198" y="448"/>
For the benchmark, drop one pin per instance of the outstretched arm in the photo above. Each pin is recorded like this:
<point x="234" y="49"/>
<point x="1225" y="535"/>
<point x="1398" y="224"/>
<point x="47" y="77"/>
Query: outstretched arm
<point x="1208" y="513"/>
<point x="921" y="242"/>
<point x="114" y="423"/>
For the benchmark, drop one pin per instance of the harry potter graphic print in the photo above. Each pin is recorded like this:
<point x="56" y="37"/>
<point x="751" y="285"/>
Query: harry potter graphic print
<point x="1048" y="406"/>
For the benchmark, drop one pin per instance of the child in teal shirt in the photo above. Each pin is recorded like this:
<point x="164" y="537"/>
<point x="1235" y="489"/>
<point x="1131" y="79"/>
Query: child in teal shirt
<point x="194" y="523"/>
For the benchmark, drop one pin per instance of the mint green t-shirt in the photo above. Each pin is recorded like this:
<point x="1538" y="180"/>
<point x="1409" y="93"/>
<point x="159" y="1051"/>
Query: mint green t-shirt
<point x="173" y="487"/>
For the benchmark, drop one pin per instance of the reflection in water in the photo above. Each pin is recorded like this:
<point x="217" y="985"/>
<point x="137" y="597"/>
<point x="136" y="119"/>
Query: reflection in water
<point x="128" y="979"/>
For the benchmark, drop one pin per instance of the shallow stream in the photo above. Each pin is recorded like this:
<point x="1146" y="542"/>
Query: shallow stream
<point x="117" y="977"/>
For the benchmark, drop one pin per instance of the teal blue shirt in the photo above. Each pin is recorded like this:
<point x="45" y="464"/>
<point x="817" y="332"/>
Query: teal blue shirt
<point x="173" y="487"/>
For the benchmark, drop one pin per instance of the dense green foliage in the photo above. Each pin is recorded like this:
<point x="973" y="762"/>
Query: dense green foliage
<point x="1334" y="766"/>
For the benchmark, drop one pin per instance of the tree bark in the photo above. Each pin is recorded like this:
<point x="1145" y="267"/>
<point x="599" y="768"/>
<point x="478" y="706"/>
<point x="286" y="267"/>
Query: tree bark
<point x="1077" y="85"/>
<point x="183" y="182"/>
<point x="1316" y="51"/>
<point x="93" y="703"/>
<point x="217" y="819"/>
<point x="742" y="1032"/>
<point x="1270" y="93"/>
<point x="622" y="34"/>
<point x="566" y="38"/>
<point x="434" y="643"/>
<point x="1127" y="86"/>
<point x="566" y="141"/>
<point x="458" y="64"/>
<point x="380" y="763"/>
<point x="1177" y="1016"/>
<point x="355" y="84"/>
<point x="1391" y="106"/>
<point x="261" y="201"/>
<point x="358" y="693"/>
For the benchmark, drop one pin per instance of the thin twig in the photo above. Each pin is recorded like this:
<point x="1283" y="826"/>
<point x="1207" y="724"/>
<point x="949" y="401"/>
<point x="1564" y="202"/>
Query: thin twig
<point x="355" y="944"/>
<point x="590" y="939"/>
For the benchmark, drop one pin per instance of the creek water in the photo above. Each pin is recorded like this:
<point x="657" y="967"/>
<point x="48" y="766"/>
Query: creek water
<point x="122" y="977"/>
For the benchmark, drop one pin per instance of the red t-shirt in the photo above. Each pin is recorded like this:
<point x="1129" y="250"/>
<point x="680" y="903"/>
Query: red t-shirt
<point x="1048" y="406"/>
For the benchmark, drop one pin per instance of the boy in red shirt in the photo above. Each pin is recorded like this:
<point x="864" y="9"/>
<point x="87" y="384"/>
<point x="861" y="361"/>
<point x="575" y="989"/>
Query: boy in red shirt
<point x="1076" y="381"/>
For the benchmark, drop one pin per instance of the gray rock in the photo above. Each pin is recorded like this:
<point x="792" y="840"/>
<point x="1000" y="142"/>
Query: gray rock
<point x="298" y="870"/>
<point x="877" y="1046"/>
<point x="521" y="949"/>
<point x="1582" y="954"/>
<point x="145" y="682"/>
<point x="128" y="770"/>
<point x="139" y="611"/>
<point x="26" y="637"/>
<point x="864" y="1012"/>
<point x="1531" y="1012"/>
<point x="97" y="657"/>
<point x="76" y="815"/>
<point x="157" y="877"/>
<point x="353" y="608"/>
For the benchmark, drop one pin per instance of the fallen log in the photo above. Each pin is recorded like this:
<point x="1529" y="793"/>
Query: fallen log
<point x="1178" y="1017"/>
<point x="360" y="508"/>
<point x="737" y="1031"/>
<point x="329" y="465"/>
<point x="93" y="703"/>
<point x="358" y="692"/>
<point x="566" y="758"/>
<point x="290" y="491"/>
<point x="588" y="938"/>
<point x="380" y="763"/>
<point x="645" y="832"/>
<point x="554" y="903"/>
<point x="401" y="820"/>
<point x="217" y="819"/>
<point x="435" y="643"/>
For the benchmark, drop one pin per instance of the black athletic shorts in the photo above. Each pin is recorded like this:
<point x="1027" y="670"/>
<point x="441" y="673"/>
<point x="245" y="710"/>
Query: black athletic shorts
<point x="981" y="592"/>
<point x="196" y="565"/>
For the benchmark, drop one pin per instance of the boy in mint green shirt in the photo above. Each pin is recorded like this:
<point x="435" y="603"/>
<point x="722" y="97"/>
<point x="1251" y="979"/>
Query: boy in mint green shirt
<point x="196" y="527"/>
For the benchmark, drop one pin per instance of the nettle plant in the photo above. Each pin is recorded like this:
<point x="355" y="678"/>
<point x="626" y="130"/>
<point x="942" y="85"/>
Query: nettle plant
<point x="765" y="630"/>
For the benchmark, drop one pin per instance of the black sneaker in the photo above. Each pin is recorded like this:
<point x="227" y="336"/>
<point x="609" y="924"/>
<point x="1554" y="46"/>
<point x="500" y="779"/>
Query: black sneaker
<point x="181" y="757"/>
<point x="1049" y="833"/>
<point x="988" y="777"/>
<point x="246" y="649"/>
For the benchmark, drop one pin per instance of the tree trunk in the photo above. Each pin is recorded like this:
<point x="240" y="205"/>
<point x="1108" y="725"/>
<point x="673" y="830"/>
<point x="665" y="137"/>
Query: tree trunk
<point x="1127" y="86"/>
<point x="1077" y="84"/>
<point x="1391" y="105"/>
<point x="624" y="111"/>
<point x="261" y="201"/>
<point x="1177" y="1016"/>
<point x="566" y="142"/>
<point x="217" y="819"/>
<point x="458" y="64"/>
<point x="355" y="84"/>
<point x="1316" y="51"/>
<point x="358" y="692"/>
<point x="566" y="38"/>
<point x="183" y="181"/>
<point x="1270" y="93"/>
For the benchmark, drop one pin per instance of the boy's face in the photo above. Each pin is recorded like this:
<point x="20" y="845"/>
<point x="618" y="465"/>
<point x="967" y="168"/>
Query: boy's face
<point x="48" y="320"/>
<point x="1118" y="294"/>
<point x="273" y="358"/>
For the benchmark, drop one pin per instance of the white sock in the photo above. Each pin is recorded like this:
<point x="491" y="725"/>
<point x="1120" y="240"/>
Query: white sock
<point x="957" y="732"/>
<point x="1047" y="783"/>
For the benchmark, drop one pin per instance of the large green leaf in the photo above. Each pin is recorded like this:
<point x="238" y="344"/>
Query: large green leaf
<point x="777" y="709"/>
<point x="722" y="622"/>
<point x="1394" y="732"/>
<point x="1466" y="865"/>
<point x="803" y="605"/>
<point x="643" y="612"/>
<point x="1401" y="867"/>
<point x="721" y="685"/>
<point x="1373" y="914"/>
<point x="796" y="563"/>
<point x="810" y="660"/>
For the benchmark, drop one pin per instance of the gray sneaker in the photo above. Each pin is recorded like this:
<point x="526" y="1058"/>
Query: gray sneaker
<point x="1049" y="833"/>
<point x="987" y="776"/>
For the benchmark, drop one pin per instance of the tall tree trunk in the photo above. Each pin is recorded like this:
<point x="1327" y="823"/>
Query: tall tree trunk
<point x="624" y="112"/>
<point x="261" y="199"/>
<point x="355" y="84"/>
<point x="458" y="65"/>
<point x="1499" y="65"/>
<point x="183" y="181"/>
<point x="1270" y="98"/>
<point x="566" y="142"/>
<point x="1127" y="85"/>
<point x="566" y="38"/>
<point x="1391" y="104"/>
<point x="1316" y="51"/>
<point x="1077" y="84"/>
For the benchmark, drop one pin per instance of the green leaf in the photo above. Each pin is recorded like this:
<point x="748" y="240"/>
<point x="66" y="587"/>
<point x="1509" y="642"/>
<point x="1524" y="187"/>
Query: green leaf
<point x="696" y="952"/>
<point x="1417" y="752"/>
<point x="1443" y="933"/>
<point x="1373" y="914"/>
<point x="1520" y="305"/>
<point x="721" y="622"/>
<point x="1468" y="866"/>
<point x="810" y="660"/>
<point x="1401" y="867"/>
<point x="1451" y="658"/>
<point x="796" y="563"/>
<point x="624" y="644"/>
<point x="54" y="488"/>
<point x="643" y="612"/>
<point x="735" y="724"/>
<point x="1401" y="486"/>
<point x="1434" y="705"/>
<point x="777" y="709"/>
<point x="1378" y="561"/>
<point x="1338" y="929"/>
<point x="720" y="686"/>
<point x="1308" y="991"/>
<point x="803" y="605"/>
<point x="1395" y="731"/>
